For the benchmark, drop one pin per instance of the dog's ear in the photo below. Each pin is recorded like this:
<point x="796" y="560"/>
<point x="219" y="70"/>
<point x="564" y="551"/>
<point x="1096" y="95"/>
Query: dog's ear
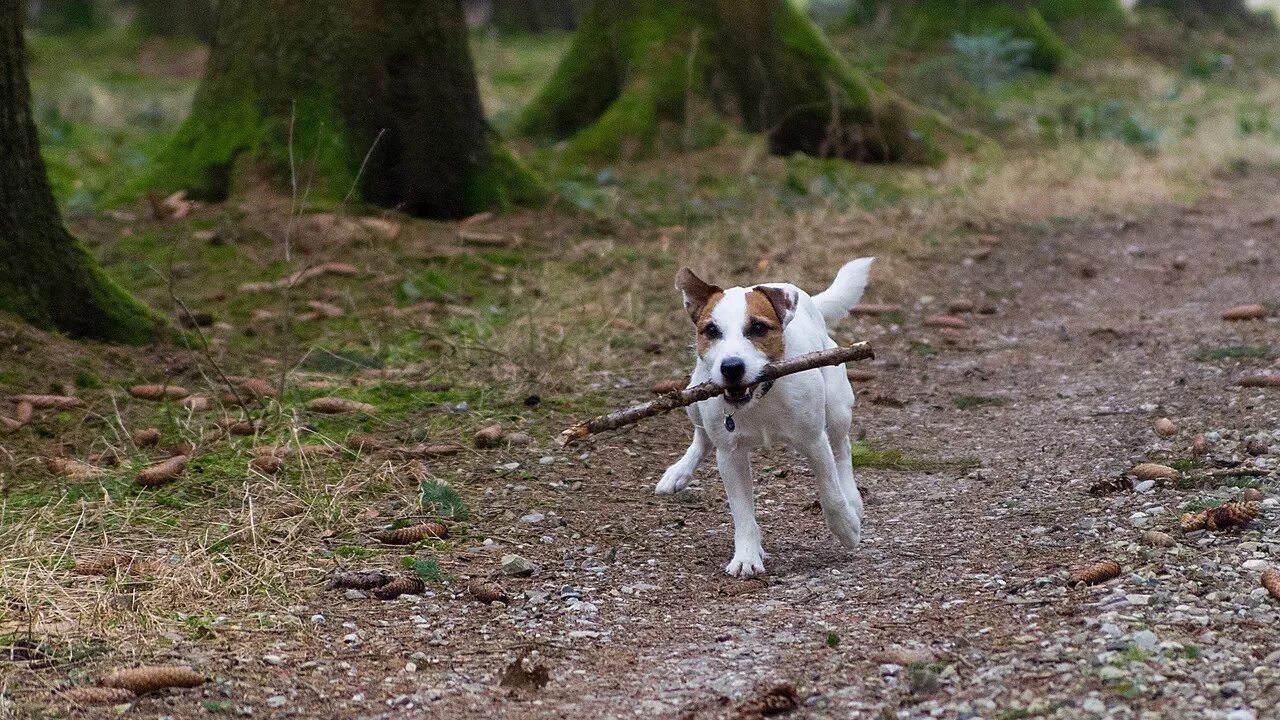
<point x="783" y="301"/>
<point x="696" y="292"/>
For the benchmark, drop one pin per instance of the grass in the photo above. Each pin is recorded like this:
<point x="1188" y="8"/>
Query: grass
<point x="972" y="402"/>
<point x="1208" y="353"/>
<point x="868" y="455"/>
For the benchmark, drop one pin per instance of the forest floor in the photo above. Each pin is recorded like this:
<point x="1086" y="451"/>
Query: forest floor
<point x="956" y="603"/>
<point x="1091" y="263"/>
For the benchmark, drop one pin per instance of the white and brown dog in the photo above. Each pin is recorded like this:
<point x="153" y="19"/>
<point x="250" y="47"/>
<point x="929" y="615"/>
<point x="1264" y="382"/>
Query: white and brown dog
<point x="740" y="330"/>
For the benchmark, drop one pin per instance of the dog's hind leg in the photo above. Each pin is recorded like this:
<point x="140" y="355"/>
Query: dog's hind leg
<point x="841" y="504"/>
<point x="842" y="449"/>
<point x="680" y="473"/>
<point x="735" y="472"/>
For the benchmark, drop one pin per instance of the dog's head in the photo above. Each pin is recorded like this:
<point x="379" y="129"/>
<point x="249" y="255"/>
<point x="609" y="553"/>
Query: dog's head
<point x="740" y="330"/>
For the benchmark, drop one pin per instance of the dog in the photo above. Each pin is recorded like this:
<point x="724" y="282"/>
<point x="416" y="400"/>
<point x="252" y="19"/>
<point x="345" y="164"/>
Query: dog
<point x="739" y="331"/>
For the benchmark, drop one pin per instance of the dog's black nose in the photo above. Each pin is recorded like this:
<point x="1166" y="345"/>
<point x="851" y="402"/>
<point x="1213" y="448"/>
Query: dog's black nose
<point x="733" y="369"/>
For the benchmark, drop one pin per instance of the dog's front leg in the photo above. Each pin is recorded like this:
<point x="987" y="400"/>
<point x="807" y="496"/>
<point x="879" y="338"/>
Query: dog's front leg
<point x="680" y="474"/>
<point x="841" y="502"/>
<point x="735" y="472"/>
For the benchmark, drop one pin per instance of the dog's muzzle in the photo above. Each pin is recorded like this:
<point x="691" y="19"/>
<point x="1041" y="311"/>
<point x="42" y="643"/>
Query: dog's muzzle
<point x="743" y="394"/>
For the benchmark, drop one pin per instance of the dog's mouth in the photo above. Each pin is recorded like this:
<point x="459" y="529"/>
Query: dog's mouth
<point x="739" y="395"/>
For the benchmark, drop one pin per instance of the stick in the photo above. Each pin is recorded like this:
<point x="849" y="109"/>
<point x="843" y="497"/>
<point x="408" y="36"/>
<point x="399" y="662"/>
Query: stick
<point x="698" y="393"/>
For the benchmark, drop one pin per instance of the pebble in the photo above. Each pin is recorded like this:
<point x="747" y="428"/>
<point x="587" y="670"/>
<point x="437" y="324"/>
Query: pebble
<point x="272" y="659"/>
<point x="1145" y="639"/>
<point x="533" y="518"/>
<point x="1145" y="486"/>
<point x="1256" y="564"/>
<point x="354" y="594"/>
<point x="517" y="566"/>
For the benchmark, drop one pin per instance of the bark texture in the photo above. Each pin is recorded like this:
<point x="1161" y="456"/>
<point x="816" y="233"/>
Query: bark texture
<point x="178" y="18"/>
<point x="325" y="78"/>
<point x="643" y="74"/>
<point x="46" y="277"/>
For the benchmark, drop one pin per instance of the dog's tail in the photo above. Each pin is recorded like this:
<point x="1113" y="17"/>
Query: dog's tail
<point x="836" y="301"/>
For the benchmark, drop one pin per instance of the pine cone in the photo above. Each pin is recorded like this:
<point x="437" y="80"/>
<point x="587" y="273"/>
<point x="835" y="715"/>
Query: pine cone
<point x="1108" y="486"/>
<point x="105" y="564"/>
<point x="487" y="592"/>
<point x="489" y="437"/>
<point x="412" y="534"/>
<point x="149" y="437"/>
<point x="1098" y="572"/>
<point x="1155" y="471"/>
<point x="73" y="468"/>
<point x="196" y="403"/>
<point x="51" y="402"/>
<point x="1155" y="538"/>
<point x="258" y="389"/>
<point x="333" y="405"/>
<point x="97" y="695"/>
<point x="435" y="450"/>
<point x="24" y="412"/>
<point x="163" y="473"/>
<point x="1230" y="515"/>
<point x="403" y="585"/>
<point x="358" y="580"/>
<point x="1191" y="522"/>
<point x="158" y="392"/>
<point x="362" y="443"/>
<point x="1271" y="581"/>
<point x="146" y="679"/>
<point x="266" y="464"/>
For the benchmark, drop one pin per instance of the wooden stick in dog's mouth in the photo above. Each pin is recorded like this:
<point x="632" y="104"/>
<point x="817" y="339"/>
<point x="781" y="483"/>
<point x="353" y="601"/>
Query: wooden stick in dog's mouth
<point x="698" y="393"/>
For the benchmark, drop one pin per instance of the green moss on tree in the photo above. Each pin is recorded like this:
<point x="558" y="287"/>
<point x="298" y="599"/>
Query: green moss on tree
<point x="46" y="277"/>
<point x="638" y="67"/>
<point x="315" y="91"/>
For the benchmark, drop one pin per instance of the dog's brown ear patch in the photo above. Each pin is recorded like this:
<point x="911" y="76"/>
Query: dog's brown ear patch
<point x="784" y="305"/>
<point x="698" y="295"/>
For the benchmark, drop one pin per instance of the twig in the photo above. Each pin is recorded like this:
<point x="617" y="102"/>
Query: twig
<point x="698" y="393"/>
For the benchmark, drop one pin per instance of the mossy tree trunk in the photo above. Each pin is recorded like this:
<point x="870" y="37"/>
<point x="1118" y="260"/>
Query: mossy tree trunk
<point x="924" y="24"/>
<point x="642" y="75"/>
<point x="1204" y="13"/>
<point x="178" y="18"/>
<point x="333" y="82"/>
<point x="46" y="277"/>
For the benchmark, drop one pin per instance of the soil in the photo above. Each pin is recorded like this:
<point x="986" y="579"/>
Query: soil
<point x="955" y="605"/>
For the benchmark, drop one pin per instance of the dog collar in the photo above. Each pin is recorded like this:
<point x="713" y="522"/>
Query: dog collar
<point x="729" y="424"/>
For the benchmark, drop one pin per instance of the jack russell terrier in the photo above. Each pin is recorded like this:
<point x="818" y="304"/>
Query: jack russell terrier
<point x="739" y="331"/>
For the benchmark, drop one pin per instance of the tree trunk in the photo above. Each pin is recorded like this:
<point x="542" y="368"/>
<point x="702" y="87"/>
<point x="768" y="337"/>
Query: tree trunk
<point x="642" y="74"/>
<point x="46" y="277"/>
<point x="178" y="18"/>
<point x="534" y="16"/>
<point x="324" y="78"/>
<point x="1206" y="13"/>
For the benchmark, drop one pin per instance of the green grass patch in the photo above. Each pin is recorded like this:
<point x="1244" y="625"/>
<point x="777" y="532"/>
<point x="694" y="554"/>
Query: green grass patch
<point x="426" y="568"/>
<point x="971" y="402"/>
<point x="1185" y="464"/>
<point x="355" y="552"/>
<point x="1198" y="505"/>
<point x="868" y="455"/>
<point x="833" y="640"/>
<point x="1211" y="353"/>
<point x="443" y="500"/>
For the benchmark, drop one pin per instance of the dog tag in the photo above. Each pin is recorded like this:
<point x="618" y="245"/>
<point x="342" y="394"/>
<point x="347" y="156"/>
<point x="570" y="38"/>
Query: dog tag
<point x="728" y="423"/>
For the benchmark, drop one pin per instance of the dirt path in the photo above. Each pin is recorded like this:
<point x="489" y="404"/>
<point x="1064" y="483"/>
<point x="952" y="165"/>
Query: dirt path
<point x="955" y="605"/>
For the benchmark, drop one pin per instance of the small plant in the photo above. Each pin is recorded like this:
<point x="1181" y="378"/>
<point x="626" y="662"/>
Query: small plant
<point x="440" y="497"/>
<point x="354" y="552"/>
<point x="426" y="568"/>
<point x="833" y="639"/>
<point x="970" y="402"/>
<point x="990" y="60"/>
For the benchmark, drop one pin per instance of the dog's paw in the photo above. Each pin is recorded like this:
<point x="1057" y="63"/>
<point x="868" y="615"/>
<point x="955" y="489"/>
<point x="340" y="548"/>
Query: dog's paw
<point x="746" y="563"/>
<point x="846" y="526"/>
<point x="673" y="480"/>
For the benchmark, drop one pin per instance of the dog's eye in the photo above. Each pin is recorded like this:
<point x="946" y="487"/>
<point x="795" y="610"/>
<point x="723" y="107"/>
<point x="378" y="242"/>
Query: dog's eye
<point x="757" y="328"/>
<point x="712" y="331"/>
